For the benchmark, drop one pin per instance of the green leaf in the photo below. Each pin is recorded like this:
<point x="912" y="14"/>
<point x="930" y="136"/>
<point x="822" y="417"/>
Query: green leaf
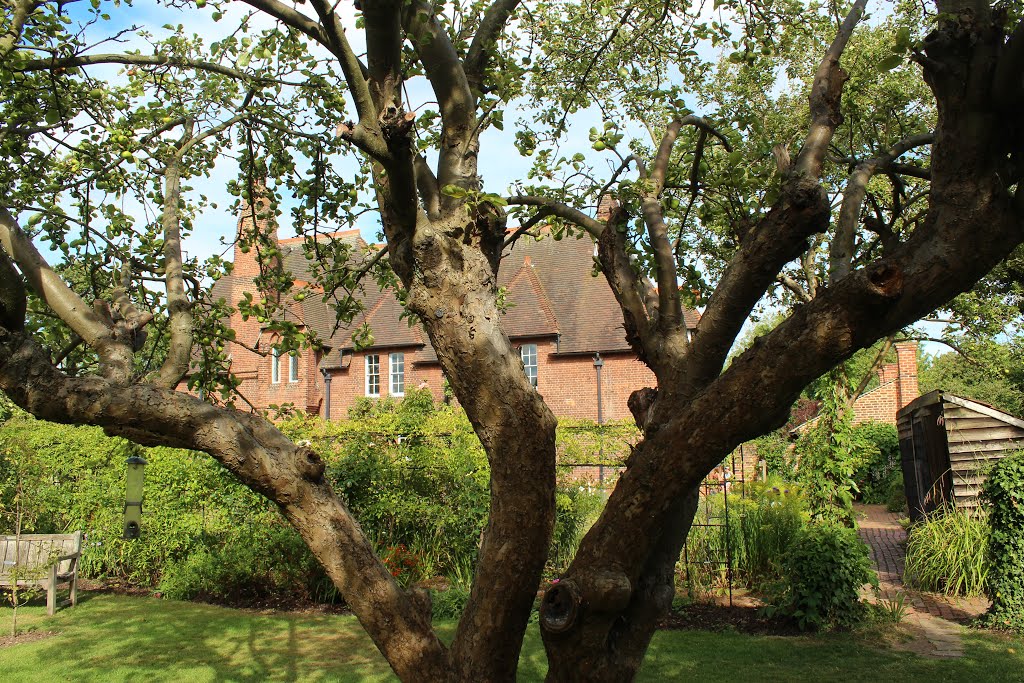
<point x="890" y="62"/>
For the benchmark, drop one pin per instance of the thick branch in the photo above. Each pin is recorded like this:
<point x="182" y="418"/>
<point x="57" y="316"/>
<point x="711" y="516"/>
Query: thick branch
<point x="292" y="17"/>
<point x="264" y="460"/>
<point x="802" y="210"/>
<point x="459" y="146"/>
<point x="567" y="213"/>
<point x="841" y="256"/>
<point x="179" y="308"/>
<point x="826" y="91"/>
<point x="49" y="286"/>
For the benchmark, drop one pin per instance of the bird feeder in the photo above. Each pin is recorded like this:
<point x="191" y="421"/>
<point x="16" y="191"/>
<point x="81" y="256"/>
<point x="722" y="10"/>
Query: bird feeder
<point x="133" y="497"/>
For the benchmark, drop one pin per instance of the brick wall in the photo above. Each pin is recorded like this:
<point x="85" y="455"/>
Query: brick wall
<point x="567" y="383"/>
<point x="349" y="384"/>
<point x="897" y="386"/>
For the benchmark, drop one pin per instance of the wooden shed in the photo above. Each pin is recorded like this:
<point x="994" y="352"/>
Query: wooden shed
<point x="947" y="445"/>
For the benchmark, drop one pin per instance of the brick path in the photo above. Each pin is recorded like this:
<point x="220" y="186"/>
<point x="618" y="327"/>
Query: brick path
<point x="937" y="617"/>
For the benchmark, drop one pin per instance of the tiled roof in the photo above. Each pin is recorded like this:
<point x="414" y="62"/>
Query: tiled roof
<point x="549" y="289"/>
<point x="528" y="312"/>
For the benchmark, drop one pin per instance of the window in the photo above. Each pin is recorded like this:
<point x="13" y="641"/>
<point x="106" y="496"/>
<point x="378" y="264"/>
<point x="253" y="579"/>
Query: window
<point x="528" y="354"/>
<point x="293" y="367"/>
<point x="373" y="375"/>
<point x="275" y="366"/>
<point x="396" y="361"/>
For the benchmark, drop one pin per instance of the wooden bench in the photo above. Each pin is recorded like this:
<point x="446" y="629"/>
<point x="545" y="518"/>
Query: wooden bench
<point x="44" y="560"/>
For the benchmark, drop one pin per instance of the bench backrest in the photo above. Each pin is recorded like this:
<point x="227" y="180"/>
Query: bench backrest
<point x="32" y="553"/>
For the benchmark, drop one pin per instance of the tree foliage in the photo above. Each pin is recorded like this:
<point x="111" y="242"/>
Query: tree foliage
<point x="862" y="172"/>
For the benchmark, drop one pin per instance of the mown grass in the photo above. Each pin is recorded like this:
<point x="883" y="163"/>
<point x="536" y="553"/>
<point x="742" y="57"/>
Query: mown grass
<point x="113" y="638"/>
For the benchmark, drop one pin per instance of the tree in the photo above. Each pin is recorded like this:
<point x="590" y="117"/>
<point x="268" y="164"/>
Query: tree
<point x="755" y="211"/>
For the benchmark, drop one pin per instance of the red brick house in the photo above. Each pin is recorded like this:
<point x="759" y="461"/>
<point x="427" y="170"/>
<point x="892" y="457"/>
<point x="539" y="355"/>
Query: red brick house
<point x="565" y="324"/>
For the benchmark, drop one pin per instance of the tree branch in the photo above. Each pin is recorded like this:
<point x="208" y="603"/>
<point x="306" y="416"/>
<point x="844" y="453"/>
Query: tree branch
<point x="487" y="34"/>
<point x="179" y="308"/>
<point x="49" y="286"/>
<point x="567" y="213"/>
<point x="841" y="256"/>
<point x="457" y="157"/>
<point x="265" y="460"/>
<point x="292" y="17"/>
<point x="795" y="287"/>
<point x="20" y="13"/>
<point x="826" y="91"/>
<point x="137" y="60"/>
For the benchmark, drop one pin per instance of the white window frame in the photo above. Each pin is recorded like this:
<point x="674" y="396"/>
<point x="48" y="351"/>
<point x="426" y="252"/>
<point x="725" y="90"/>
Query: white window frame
<point x="396" y="373"/>
<point x="293" y="367"/>
<point x="528" y="352"/>
<point x="275" y="366"/>
<point x="375" y="366"/>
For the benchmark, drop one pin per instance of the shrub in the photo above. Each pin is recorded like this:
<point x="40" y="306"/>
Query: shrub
<point x="761" y="528"/>
<point x="830" y="452"/>
<point x="576" y="508"/>
<point x="1004" y="493"/>
<point x="896" y="498"/>
<point x="776" y="451"/>
<point x="823" y="573"/>
<point x="876" y="476"/>
<point x="946" y="553"/>
<point x="773" y="516"/>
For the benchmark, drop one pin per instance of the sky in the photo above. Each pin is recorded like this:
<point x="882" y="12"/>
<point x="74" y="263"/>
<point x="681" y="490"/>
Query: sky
<point x="500" y="162"/>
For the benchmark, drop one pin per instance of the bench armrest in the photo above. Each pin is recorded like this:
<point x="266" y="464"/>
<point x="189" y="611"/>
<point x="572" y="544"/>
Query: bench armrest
<point x="72" y="556"/>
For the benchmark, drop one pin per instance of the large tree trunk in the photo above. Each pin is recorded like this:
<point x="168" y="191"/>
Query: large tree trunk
<point x="453" y="289"/>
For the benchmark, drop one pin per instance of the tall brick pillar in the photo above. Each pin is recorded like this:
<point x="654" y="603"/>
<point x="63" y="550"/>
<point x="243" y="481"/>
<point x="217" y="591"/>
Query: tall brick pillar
<point x="906" y="361"/>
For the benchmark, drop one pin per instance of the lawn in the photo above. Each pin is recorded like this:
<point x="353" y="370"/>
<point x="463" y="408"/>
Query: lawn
<point x="113" y="638"/>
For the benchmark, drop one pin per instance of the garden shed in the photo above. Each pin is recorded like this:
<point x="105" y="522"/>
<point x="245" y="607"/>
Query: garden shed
<point x="947" y="444"/>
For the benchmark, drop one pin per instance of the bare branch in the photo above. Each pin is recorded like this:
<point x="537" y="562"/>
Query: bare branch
<point x="793" y="286"/>
<point x="567" y="213"/>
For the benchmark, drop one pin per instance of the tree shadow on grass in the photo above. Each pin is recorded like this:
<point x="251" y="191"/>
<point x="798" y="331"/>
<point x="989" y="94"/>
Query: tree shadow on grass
<point x="108" y="638"/>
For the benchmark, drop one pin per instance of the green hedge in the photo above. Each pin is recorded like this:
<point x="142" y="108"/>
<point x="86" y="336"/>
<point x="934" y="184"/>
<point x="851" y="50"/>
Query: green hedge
<point x="413" y="473"/>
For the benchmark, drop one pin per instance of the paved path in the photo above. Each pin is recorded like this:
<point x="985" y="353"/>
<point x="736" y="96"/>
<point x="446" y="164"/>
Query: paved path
<point x="936" y="618"/>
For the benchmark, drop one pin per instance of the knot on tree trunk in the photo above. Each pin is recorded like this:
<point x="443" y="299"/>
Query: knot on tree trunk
<point x="564" y="603"/>
<point x="311" y="466"/>
<point x="886" y="279"/>
<point x="640" y="403"/>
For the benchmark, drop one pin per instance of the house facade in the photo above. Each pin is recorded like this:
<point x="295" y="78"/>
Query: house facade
<point x="563" y="322"/>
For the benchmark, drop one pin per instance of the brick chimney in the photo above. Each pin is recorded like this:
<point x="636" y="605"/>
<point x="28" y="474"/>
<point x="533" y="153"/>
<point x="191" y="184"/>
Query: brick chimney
<point x="605" y="206"/>
<point x="906" y="362"/>
<point x="254" y="219"/>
